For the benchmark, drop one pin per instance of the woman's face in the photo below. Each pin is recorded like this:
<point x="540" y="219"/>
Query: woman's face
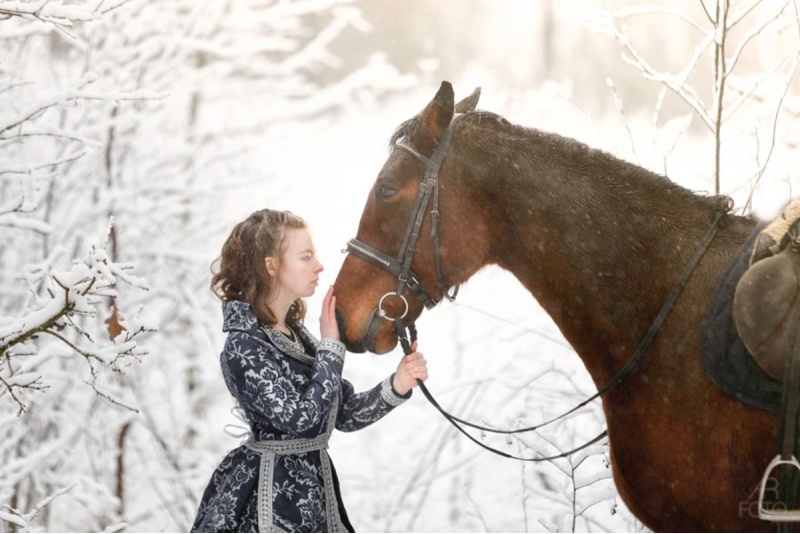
<point x="298" y="275"/>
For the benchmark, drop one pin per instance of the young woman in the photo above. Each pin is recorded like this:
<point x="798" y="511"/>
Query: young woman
<point x="288" y="385"/>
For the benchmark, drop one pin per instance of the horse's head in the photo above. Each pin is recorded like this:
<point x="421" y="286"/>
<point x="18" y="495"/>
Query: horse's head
<point x="419" y="233"/>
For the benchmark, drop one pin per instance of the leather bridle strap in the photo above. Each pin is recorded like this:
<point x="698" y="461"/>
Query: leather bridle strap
<point x="400" y="265"/>
<point x="431" y="181"/>
<point x="392" y="266"/>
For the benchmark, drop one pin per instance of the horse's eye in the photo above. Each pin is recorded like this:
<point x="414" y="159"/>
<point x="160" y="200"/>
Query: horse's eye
<point x="385" y="192"/>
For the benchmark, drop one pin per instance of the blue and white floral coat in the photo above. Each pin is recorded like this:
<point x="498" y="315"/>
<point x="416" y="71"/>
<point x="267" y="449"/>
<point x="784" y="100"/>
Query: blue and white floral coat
<point x="281" y="478"/>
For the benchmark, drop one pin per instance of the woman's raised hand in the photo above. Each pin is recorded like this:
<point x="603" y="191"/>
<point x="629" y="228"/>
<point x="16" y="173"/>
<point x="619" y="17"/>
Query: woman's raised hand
<point x="328" y="327"/>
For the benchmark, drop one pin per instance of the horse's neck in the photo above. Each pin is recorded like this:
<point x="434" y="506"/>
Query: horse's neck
<point x="599" y="252"/>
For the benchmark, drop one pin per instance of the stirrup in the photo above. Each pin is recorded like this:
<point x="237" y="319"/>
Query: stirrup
<point x="776" y="515"/>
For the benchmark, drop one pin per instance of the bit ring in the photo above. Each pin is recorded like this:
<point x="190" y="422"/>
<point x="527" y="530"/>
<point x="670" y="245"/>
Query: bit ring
<point x="382" y="313"/>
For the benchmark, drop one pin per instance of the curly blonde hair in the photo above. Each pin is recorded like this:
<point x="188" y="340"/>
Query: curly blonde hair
<point x="242" y="273"/>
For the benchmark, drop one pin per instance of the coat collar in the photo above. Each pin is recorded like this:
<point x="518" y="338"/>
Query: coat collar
<point x="240" y="316"/>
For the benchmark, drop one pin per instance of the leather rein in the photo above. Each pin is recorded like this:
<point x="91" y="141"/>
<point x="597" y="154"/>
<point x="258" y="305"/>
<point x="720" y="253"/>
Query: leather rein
<point x="400" y="266"/>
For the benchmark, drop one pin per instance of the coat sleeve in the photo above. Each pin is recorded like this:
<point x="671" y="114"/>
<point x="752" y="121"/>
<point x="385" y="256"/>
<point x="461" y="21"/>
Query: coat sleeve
<point x="252" y="371"/>
<point x="359" y="410"/>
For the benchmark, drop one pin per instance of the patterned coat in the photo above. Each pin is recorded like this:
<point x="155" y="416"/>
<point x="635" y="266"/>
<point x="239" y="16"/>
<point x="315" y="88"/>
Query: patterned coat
<point x="281" y="479"/>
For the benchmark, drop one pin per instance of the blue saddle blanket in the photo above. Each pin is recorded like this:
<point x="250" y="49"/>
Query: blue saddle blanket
<point x="725" y="358"/>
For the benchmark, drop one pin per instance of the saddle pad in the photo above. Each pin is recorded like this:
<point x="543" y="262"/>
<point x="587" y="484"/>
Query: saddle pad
<point x="726" y="360"/>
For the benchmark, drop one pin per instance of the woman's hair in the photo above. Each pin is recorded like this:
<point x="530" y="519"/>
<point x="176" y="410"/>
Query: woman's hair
<point x="242" y="273"/>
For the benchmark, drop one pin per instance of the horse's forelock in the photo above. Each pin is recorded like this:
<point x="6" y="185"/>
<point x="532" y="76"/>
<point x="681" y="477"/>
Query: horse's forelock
<point x="404" y="130"/>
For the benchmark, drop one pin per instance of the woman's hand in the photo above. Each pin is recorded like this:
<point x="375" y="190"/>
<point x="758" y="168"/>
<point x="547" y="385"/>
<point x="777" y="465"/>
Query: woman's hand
<point x="411" y="367"/>
<point x="328" y="327"/>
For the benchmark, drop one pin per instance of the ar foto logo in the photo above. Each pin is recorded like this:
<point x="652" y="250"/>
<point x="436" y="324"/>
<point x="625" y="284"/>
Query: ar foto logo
<point x="772" y="501"/>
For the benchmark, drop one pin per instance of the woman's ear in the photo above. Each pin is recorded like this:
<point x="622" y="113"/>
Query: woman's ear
<point x="272" y="266"/>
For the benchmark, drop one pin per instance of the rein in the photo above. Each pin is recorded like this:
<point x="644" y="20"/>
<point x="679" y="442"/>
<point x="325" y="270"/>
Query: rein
<point x="616" y="379"/>
<point x="401" y="267"/>
<point x="457" y="422"/>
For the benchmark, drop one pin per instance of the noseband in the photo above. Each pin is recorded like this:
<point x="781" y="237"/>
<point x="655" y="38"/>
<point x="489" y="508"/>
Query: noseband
<point x="400" y="265"/>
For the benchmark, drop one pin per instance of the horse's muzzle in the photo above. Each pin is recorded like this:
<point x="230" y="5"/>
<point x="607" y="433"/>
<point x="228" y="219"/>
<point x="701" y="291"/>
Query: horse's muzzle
<point x="367" y="340"/>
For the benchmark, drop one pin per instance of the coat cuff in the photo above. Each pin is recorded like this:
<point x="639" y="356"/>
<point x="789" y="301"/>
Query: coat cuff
<point x="333" y="346"/>
<point x="389" y="395"/>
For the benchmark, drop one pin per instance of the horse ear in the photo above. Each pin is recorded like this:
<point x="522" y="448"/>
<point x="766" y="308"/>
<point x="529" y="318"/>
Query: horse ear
<point x="434" y="119"/>
<point x="469" y="103"/>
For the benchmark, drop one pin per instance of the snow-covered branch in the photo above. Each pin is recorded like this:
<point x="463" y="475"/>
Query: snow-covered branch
<point x="68" y="96"/>
<point x="726" y="49"/>
<point x="59" y="13"/>
<point x="24" y="520"/>
<point x="71" y="293"/>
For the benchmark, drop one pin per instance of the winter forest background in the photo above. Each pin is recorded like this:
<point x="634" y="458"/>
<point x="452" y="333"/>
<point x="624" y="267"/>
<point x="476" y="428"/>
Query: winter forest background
<point x="135" y="133"/>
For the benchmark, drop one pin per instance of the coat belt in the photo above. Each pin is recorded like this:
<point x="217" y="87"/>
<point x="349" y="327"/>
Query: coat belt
<point x="289" y="446"/>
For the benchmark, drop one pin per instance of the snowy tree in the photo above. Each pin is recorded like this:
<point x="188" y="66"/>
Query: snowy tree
<point x="737" y="76"/>
<point x="144" y="113"/>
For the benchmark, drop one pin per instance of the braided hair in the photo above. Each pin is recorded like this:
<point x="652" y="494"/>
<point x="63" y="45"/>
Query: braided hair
<point x="240" y="272"/>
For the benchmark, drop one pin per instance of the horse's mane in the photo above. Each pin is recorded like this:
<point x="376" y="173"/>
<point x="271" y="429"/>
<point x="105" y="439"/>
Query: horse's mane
<point x="575" y="150"/>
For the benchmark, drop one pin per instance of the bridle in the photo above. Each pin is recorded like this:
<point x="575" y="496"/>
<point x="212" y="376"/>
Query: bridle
<point x="400" y="266"/>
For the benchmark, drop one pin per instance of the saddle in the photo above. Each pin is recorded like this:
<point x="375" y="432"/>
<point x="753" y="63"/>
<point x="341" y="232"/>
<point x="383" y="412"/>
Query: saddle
<point x="766" y="304"/>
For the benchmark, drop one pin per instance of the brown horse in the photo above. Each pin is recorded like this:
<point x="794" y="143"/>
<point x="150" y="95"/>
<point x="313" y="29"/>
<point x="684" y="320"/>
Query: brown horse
<point x="600" y="243"/>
